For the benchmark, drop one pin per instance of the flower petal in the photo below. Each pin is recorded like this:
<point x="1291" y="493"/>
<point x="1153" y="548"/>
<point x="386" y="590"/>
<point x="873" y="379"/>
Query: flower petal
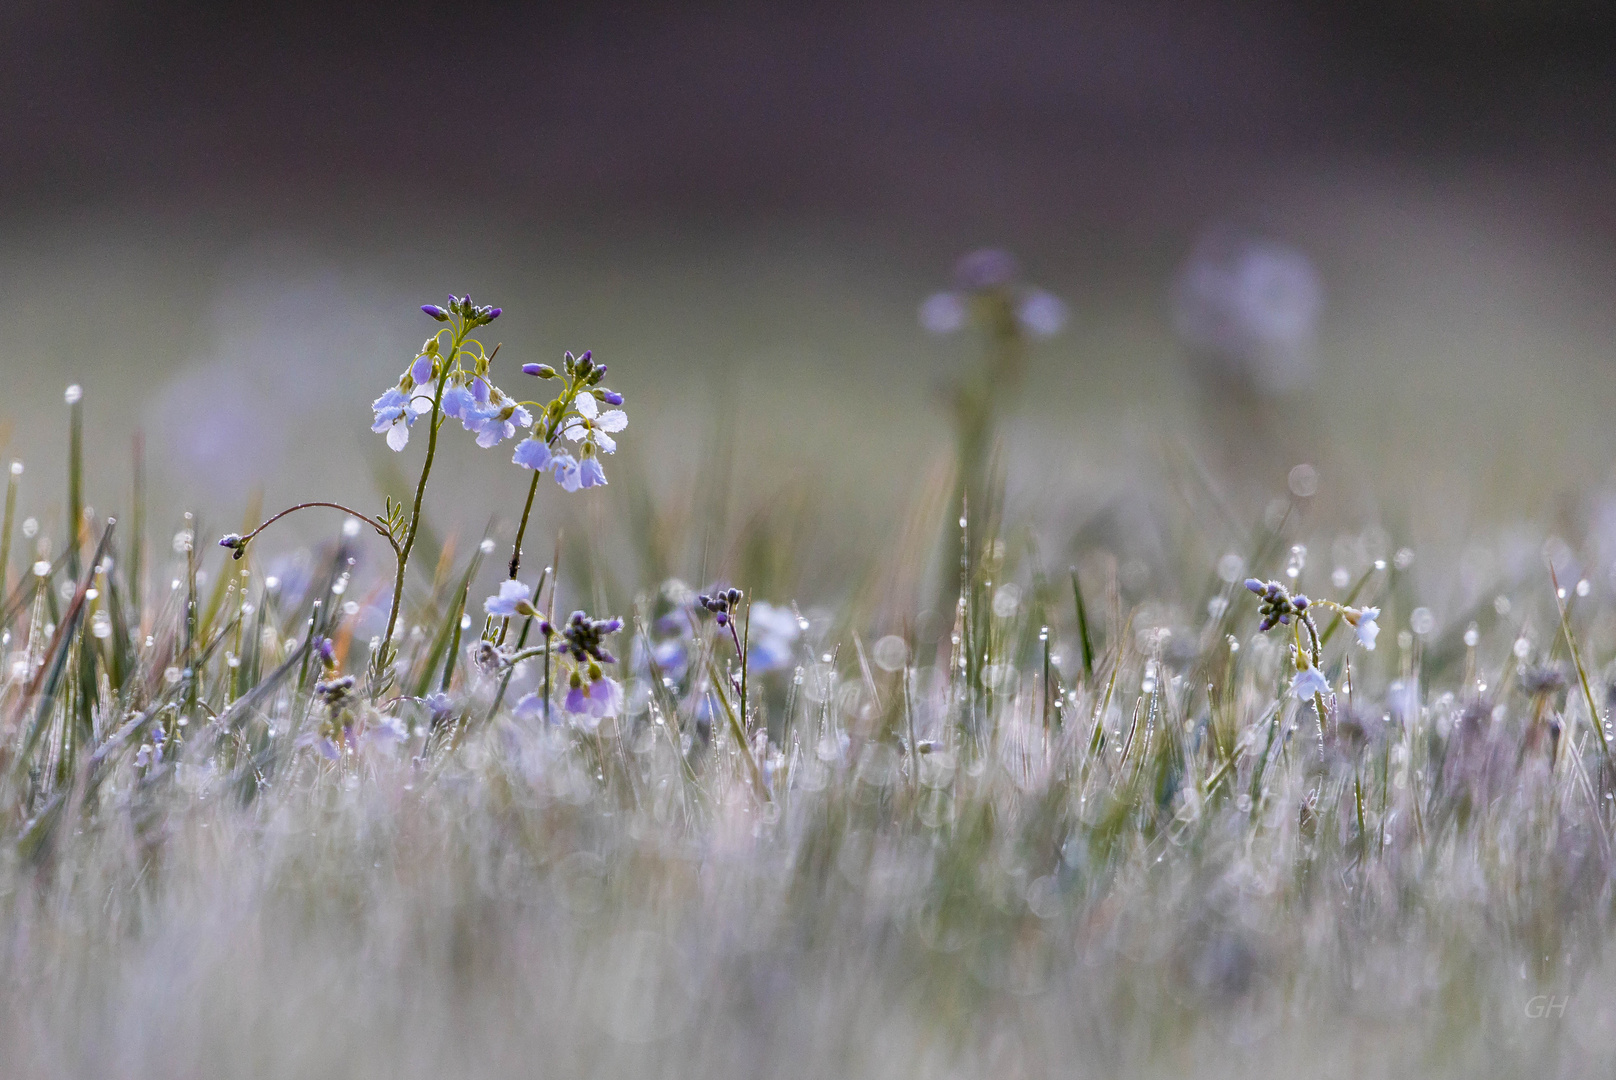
<point x="586" y="405"/>
<point x="612" y="420"/>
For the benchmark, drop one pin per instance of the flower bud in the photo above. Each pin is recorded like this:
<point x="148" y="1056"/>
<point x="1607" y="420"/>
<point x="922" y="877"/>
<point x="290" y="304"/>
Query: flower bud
<point x="611" y="397"/>
<point x="436" y="312"/>
<point x="1255" y="586"/>
<point x="543" y="371"/>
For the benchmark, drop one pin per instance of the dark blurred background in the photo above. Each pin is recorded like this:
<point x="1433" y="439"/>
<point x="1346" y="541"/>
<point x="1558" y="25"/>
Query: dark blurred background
<point x="220" y="218"/>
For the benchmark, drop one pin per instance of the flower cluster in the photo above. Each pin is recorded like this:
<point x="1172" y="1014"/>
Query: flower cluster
<point x="576" y="414"/>
<point x="347" y="720"/>
<point x="722" y="605"/>
<point x="452" y="378"/>
<point x="582" y="636"/>
<point x="986" y="292"/>
<point x="591" y="693"/>
<point x="473" y="315"/>
<point x="1250" y="308"/>
<point x="397" y="409"/>
<point x="1279" y="607"/>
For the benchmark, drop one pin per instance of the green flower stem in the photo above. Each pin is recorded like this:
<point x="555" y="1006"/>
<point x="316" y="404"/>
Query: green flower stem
<point x="383" y="659"/>
<point x="516" y="551"/>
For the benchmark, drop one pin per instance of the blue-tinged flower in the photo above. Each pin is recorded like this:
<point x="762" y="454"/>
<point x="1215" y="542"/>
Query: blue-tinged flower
<point x="495" y="422"/>
<point x="944" y="313"/>
<point x="671" y="656"/>
<point x="439" y="706"/>
<point x="605" y="696"/>
<point x="596" y="698"/>
<point x="590" y="474"/>
<point x="592" y="425"/>
<point x="1040" y="314"/>
<point x="565" y="468"/>
<point x="772" y="632"/>
<point x="528" y="707"/>
<point x="1363" y="621"/>
<point x="394" y="416"/>
<point x="514" y="599"/>
<point x="456" y="400"/>
<point x="383" y="729"/>
<point x="577" y="702"/>
<point x="1309" y="681"/>
<point x="532" y="453"/>
<point x="421" y="370"/>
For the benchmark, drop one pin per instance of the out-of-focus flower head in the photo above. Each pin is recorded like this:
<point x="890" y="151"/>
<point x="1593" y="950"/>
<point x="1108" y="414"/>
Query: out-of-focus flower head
<point x="1250" y="308"/>
<point x="772" y="633"/>
<point x="986" y="291"/>
<point x="514" y="598"/>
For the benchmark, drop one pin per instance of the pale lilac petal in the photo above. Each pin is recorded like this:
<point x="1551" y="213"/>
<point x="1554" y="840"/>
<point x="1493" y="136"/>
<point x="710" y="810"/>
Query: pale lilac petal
<point x="944" y="313"/>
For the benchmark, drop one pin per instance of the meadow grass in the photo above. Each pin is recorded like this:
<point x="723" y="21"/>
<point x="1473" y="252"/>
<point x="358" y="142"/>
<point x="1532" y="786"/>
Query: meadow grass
<point x="1060" y="821"/>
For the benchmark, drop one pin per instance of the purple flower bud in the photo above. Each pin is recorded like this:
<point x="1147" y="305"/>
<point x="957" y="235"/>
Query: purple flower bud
<point x="606" y="657"/>
<point x="492" y="314"/>
<point x="230" y="540"/>
<point x="1286" y="619"/>
<point x="1300" y="601"/>
<point x="612" y="397"/>
<point x="722" y="618"/>
<point x="531" y="369"/>
<point x="326" y="649"/>
<point x="1255" y="586"/>
<point x="436" y="312"/>
<point x="612" y="626"/>
<point x="1265" y="626"/>
<point x="545" y="628"/>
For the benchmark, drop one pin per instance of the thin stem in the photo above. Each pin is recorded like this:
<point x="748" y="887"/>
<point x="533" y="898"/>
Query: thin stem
<point x="382" y="658"/>
<point x="527" y="654"/>
<point x="381" y="529"/>
<point x="521" y="530"/>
